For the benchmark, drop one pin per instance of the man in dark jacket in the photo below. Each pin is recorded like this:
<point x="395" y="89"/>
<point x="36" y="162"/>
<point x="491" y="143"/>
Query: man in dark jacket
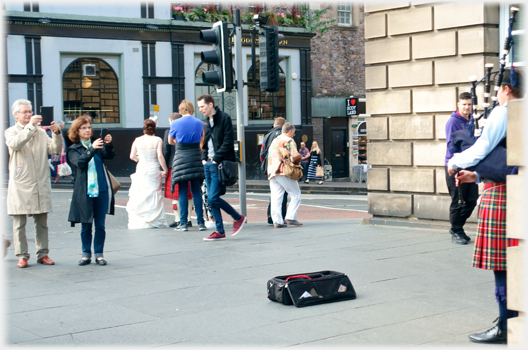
<point x="268" y="139"/>
<point x="217" y="146"/>
<point x="459" y="213"/>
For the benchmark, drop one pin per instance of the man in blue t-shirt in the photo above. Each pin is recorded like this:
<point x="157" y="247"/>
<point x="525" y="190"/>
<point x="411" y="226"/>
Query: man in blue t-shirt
<point x="186" y="133"/>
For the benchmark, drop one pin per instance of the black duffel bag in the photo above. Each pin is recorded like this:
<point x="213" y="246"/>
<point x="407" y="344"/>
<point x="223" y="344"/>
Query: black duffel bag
<point x="310" y="288"/>
<point x="227" y="173"/>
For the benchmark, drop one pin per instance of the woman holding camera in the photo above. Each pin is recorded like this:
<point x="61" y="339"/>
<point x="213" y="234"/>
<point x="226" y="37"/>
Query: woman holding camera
<point x="93" y="196"/>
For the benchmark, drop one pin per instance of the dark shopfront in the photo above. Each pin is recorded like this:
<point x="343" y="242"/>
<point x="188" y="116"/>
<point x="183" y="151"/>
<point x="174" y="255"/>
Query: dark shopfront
<point x="178" y="36"/>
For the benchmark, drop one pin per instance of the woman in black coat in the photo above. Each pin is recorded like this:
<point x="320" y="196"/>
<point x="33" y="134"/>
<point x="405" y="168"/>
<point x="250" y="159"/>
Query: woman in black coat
<point x="93" y="196"/>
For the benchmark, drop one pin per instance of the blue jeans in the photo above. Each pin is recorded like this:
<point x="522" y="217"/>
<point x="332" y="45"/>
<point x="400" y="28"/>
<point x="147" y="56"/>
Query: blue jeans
<point x="100" y="207"/>
<point x="184" y="201"/>
<point x="213" y="196"/>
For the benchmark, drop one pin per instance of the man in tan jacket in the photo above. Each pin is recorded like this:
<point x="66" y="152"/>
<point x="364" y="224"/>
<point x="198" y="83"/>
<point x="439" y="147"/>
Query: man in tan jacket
<point x="29" y="188"/>
<point x="279" y="182"/>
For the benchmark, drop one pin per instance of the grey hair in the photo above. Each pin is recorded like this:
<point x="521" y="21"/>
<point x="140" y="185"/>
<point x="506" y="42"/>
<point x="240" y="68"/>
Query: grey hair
<point x="16" y="105"/>
<point x="287" y="127"/>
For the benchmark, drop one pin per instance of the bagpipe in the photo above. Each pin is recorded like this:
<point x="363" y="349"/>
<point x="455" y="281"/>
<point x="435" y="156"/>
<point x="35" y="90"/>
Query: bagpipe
<point x="493" y="167"/>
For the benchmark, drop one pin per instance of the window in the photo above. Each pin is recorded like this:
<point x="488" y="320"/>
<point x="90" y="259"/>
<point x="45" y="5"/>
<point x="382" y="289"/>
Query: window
<point x="344" y="14"/>
<point x="90" y="85"/>
<point x="226" y="101"/>
<point x="265" y="105"/>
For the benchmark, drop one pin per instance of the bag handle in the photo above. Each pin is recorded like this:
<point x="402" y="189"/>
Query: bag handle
<point x="298" y="276"/>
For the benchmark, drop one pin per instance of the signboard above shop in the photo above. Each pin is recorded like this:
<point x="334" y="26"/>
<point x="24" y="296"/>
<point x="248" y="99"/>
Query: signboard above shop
<point x="354" y="106"/>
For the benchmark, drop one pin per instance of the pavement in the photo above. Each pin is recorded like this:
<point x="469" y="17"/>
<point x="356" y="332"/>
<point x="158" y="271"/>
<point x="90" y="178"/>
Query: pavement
<point x="328" y="187"/>
<point x="168" y="288"/>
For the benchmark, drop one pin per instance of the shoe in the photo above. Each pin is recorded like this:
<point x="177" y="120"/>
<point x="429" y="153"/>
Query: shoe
<point x="307" y="181"/>
<point x="215" y="236"/>
<point x="270" y="220"/>
<point x="174" y="224"/>
<point x="237" y="225"/>
<point x="279" y="225"/>
<point x="181" y="228"/>
<point x="46" y="260"/>
<point x="22" y="262"/>
<point x="492" y="336"/>
<point x="293" y="222"/>
<point x="56" y="179"/>
<point x="462" y="233"/>
<point x="201" y="226"/>
<point x="320" y="182"/>
<point x="189" y="223"/>
<point x="101" y="262"/>
<point x="83" y="262"/>
<point x="457" y="238"/>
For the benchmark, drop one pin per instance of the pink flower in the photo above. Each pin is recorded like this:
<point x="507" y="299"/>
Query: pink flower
<point x="282" y="14"/>
<point x="205" y="10"/>
<point x="298" y="16"/>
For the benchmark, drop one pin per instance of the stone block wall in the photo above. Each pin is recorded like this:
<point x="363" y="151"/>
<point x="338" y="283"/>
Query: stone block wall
<point x="337" y="55"/>
<point x="516" y="194"/>
<point x="418" y="58"/>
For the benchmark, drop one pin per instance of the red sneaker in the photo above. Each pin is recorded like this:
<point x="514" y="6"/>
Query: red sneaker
<point x="215" y="236"/>
<point x="237" y="225"/>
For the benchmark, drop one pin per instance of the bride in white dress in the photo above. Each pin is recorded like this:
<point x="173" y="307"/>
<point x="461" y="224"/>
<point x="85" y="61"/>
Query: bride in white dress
<point x="145" y="204"/>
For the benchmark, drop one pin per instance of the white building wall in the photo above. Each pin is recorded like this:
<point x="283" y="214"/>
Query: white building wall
<point x="16" y="54"/>
<point x="123" y="9"/>
<point x="58" y="53"/>
<point x="16" y="91"/>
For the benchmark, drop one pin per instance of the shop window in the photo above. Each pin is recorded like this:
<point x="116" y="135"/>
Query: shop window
<point x="265" y="105"/>
<point x="90" y="86"/>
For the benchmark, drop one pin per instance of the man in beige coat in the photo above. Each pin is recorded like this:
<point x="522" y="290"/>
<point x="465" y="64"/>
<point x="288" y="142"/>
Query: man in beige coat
<point x="29" y="188"/>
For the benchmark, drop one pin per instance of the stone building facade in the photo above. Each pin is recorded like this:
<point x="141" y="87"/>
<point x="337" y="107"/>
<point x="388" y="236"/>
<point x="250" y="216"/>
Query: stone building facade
<point x="419" y="57"/>
<point x="337" y="72"/>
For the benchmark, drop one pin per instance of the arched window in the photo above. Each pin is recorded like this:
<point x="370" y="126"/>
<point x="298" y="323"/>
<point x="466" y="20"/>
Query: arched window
<point x="265" y="105"/>
<point x="90" y="86"/>
<point x="225" y="101"/>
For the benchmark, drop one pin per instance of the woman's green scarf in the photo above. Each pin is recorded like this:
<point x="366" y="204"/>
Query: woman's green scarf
<point x="93" y="187"/>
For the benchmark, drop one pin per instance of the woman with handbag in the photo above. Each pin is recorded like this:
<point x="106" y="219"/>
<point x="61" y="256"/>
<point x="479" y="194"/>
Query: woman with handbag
<point x="315" y="169"/>
<point x="93" y="196"/>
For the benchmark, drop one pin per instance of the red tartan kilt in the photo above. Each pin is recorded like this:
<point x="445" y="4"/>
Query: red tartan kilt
<point x="491" y="241"/>
<point x="168" y="191"/>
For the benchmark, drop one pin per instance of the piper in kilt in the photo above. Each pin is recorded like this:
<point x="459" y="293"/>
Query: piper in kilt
<point x="491" y="241"/>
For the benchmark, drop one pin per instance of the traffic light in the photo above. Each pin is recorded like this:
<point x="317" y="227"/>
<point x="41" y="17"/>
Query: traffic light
<point x="220" y="57"/>
<point x="270" y="58"/>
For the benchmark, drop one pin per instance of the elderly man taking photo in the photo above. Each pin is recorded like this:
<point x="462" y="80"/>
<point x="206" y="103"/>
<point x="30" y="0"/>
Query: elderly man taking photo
<point x="29" y="188"/>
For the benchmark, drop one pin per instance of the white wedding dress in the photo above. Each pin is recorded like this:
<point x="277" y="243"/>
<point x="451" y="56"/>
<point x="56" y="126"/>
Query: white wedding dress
<point x="145" y="204"/>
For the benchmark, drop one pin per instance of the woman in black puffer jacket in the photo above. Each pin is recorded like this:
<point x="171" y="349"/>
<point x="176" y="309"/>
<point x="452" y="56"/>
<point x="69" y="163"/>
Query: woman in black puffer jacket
<point x="186" y="133"/>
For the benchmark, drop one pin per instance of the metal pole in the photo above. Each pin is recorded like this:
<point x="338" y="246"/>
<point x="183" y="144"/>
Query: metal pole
<point x="240" y="112"/>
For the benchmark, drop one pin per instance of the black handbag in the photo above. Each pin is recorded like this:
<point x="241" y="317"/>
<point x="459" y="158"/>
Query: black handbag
<point x="227" y="173"/>
<point x="310" y="288"/>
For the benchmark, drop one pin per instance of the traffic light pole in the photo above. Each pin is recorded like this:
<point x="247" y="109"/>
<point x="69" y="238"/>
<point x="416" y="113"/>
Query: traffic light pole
<point x="240" y="111"/>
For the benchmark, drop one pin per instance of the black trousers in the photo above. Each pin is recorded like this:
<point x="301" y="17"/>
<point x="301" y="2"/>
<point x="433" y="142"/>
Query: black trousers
<point x="284" y="203"/>
<point x="458" y="214"/>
